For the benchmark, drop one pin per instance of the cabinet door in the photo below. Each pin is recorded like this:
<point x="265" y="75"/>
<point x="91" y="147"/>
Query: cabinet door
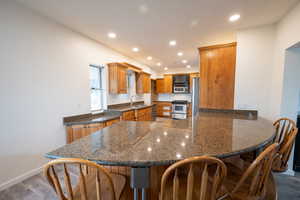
<point x="139" y="83"/>
<point x="75" y="132"/>
<point x="117" y="76"/>
<point x="122" y="80"/>
<point x="160" y="88"/>
<point x="189" y="109"/>
<point x="168" y="83"/>
<point x="147" y="83"/>
<point x="217" y="74"/>
<point x="143" y="83"/>
<point x="128" y="116"/>
<point x="111" y="122"/>
<point x="149" y="114"/>
<point x="92" y="128"/>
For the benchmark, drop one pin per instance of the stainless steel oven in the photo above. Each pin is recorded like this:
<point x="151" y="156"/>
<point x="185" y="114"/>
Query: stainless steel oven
<point x="179" y="109"/>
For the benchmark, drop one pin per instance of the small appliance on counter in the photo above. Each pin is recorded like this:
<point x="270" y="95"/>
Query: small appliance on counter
<point x="179" y="109"/>
<point x="181" y="84"/>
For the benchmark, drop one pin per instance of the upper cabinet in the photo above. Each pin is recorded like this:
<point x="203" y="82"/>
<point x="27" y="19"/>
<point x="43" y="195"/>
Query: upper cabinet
<point x="118" y="78"/>
<point x="143" y="83"/>
<point x="160" y="85"/>
<point x="117" y="75"/>
<point x="168" y="83"/>
<point x="217" y="72"/>
<point x="164" y="85"/>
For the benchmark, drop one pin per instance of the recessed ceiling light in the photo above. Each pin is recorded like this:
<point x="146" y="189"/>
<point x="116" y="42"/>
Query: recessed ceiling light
<point x="179" y="54"/>
<point x="112" y="35"/>
<point x="234" y="18"/>
<point x="149" y="58"/>
<point x="178" y="155"/>
<point x="184" y="61"/>
<point x="188" y="66"/>
<point x="165" y="68"/>
<point x="135" y="49"/>
<point x="172" y="43"/>
<point x="158" y="64"/>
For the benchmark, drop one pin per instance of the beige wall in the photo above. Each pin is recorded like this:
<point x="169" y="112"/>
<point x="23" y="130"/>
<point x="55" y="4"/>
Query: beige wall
<point x="267" y="69"/>
<point x="43" y="77"/>
<point x="255" y="55"/>
<point x="287" y="35"/>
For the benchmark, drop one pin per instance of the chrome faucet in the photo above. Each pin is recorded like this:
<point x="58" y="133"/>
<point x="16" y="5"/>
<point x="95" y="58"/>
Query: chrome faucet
<point x="131" y="100"/>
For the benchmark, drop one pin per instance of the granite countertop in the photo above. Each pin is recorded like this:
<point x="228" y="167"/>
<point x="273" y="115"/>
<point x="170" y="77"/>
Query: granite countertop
<point x="142" y="144"/>
<point x="128" y="107"/>
<point x="97" y="118"/>
<point x="110" y="114"/>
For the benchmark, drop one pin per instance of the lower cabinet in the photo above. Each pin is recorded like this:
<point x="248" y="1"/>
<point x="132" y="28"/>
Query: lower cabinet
<point x="111" y="122"/>
<point x="76" y="132"/>
<point x="163" y="109"/>
<point x="144" y="114"/>
<point x="189" y="108"/>
<point x="128" y="115"/>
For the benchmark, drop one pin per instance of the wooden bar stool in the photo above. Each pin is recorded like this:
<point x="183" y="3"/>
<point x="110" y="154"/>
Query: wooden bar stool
<point x="193" y="178"/>
<point x="286" y="132"/>
<point x="283" y="127"/>
<point x="93" y="181"/>
<point x="257" y="182"/>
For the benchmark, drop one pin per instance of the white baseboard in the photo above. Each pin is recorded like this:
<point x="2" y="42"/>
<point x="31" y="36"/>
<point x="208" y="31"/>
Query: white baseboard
<point x="20" y="178"/>
<point x="289" y="172"/>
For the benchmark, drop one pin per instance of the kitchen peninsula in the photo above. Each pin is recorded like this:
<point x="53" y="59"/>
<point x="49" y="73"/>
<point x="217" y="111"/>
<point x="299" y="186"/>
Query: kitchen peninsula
<point x="163" y="142"/>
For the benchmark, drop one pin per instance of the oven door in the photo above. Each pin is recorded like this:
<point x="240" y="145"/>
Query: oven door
<point x="179" y="108"/>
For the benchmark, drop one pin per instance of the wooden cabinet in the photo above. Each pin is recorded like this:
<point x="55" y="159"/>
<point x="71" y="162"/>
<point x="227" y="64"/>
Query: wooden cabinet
<point x="143" y="83"/>
<point x="189" y="109"/>
<point x="76" y="132"/>
<point x="111" y="122"/>
<point x="217" y="72"/>
<point x="192" y="75"/>
<point x="160" y="85"/>
<point x="163" y="109"/>
<point x="164" y="85"/>
<point x="168" y="83"/>
<point x="117" y="76"/>
<point x="144" y="114"/>
<point x="128" y="115"/>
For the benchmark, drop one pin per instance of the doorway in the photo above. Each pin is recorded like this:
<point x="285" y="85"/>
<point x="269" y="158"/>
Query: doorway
<point x="290" y="97"/>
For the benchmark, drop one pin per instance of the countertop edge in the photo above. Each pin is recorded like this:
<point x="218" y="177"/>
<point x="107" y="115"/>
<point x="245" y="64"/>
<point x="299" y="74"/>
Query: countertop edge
<point x="169" y="162"/>
<point x="89" y="121"/>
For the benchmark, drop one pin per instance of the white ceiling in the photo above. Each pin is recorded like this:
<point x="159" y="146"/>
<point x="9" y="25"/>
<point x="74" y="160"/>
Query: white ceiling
<point x="151" y="24"/>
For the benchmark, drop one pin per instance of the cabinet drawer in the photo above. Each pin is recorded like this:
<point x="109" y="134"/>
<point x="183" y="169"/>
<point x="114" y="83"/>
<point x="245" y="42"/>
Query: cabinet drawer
<point x="167" y="108"/>
<point x="166" y="114"/>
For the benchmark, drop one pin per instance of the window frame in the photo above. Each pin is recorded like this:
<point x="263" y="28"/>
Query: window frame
<point x="101" y="89"/>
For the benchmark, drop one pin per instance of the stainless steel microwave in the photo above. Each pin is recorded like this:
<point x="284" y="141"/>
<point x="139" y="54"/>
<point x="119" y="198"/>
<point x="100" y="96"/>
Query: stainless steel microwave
<point x="180" y="89"/>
